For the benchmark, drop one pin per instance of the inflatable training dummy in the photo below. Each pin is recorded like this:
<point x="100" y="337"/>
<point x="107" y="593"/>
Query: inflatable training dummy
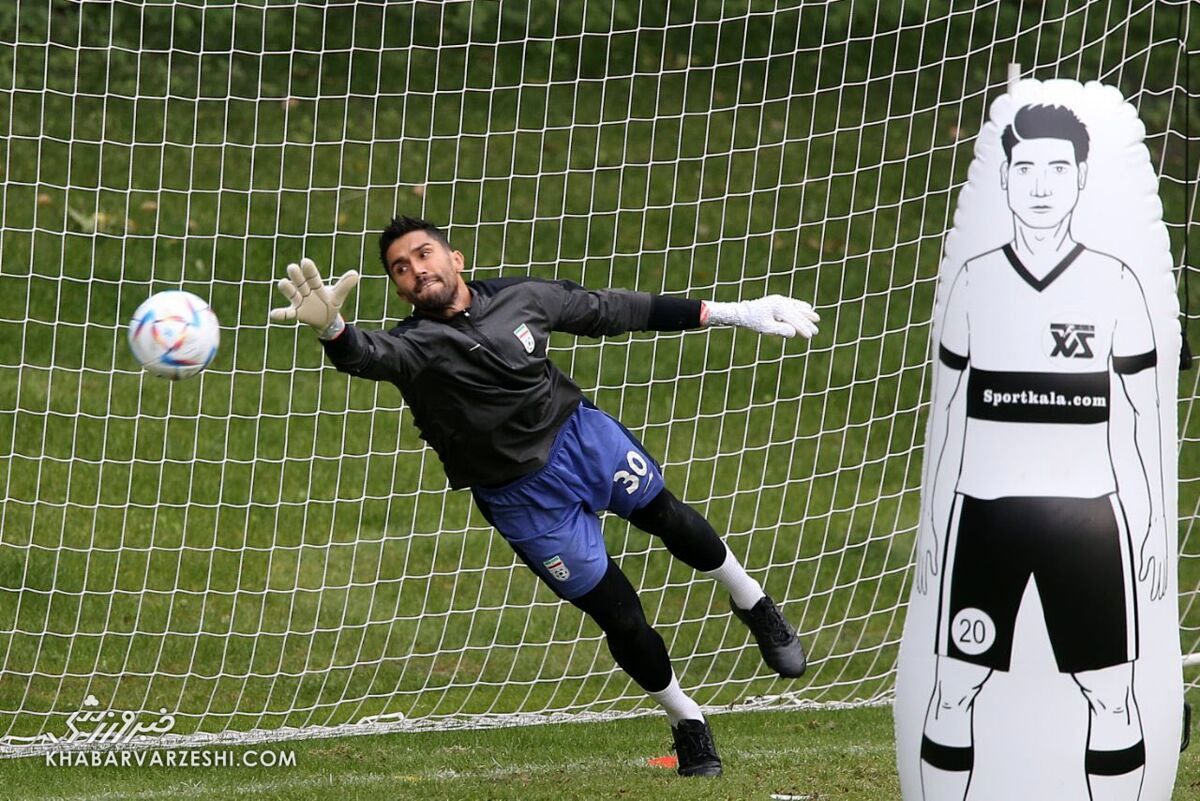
<point x="1041" y="657"/>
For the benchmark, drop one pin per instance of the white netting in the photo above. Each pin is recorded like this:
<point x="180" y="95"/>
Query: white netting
<point x="268" y="550"/>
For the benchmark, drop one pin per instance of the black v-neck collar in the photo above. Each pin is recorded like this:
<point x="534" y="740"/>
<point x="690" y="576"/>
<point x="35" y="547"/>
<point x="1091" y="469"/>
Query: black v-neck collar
<point x="1041" y="283"/>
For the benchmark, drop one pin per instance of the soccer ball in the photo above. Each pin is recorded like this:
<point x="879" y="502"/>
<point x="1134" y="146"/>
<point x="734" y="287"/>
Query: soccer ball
<point x="174" y="334"/>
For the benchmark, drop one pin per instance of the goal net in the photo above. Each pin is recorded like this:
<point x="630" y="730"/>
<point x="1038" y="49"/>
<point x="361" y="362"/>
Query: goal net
<point x="268" y="550"/>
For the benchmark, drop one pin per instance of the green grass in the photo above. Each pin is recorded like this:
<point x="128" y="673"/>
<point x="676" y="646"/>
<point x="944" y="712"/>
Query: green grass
<point x="846" y="755"/>
<point x="270" y="544"/>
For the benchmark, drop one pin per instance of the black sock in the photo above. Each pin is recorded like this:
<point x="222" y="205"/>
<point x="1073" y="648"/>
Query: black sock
<point x="947" y="757"/>
<point x="1115" y="763"/>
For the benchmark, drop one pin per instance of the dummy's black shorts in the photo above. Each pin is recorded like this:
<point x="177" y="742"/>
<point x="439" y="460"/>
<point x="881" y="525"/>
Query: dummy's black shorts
<point x="1078" y="553"/>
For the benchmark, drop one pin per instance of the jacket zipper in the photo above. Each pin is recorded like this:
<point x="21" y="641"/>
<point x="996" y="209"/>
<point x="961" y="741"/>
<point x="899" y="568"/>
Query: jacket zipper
<point x="486" y="343"/>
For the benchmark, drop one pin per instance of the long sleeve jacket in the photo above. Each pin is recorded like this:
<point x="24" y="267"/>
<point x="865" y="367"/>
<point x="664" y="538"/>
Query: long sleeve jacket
<point x="482" y="392"/>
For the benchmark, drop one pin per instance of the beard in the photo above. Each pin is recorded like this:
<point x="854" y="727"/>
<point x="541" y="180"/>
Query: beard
<point x="434" y="296"/>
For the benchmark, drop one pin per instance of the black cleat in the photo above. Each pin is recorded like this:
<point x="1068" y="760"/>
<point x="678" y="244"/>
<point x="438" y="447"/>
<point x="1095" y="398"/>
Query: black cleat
<point x="777" y="640"/>
<point x="695" y="749"/>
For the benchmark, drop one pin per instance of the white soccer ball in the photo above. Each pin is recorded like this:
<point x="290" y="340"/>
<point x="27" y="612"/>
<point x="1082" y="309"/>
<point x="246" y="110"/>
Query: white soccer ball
<point x="174" y="334"/>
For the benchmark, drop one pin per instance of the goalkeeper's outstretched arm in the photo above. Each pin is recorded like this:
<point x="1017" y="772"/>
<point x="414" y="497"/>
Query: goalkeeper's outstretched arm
<point x="366" y="354"/>
<point x="607" y="312"/>
<point x="382" y="356"/>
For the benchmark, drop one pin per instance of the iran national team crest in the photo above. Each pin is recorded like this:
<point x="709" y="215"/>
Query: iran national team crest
<point x="523" y="333"/>
<point x="555" y="565"/>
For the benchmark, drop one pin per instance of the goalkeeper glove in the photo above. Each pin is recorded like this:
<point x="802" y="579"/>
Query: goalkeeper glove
<point x="773" y="314"/>
<point x="313" y="303"/>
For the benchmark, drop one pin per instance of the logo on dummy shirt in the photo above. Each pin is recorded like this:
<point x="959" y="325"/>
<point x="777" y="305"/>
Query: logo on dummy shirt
<point x="1072" y="340"/>
<point x="523" y="333"/>
<point x="555" y="565"/>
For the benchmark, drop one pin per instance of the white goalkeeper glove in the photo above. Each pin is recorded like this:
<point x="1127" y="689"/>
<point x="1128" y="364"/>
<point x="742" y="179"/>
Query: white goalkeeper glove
<point x="774" y="314"/>
<point x="313" y="303"/>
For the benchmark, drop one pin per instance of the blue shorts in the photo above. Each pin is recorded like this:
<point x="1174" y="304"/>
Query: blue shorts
<point x="550" y="517"/>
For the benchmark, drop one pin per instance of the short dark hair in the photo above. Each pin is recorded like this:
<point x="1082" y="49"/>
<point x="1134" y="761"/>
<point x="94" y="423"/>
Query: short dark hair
<point x="398" y="227"/>
<point x="1046" y="122"/>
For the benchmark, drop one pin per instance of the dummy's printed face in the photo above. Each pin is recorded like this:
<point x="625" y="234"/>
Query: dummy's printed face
<point x="1043" y="181"/>
<point x="424" y="271"/>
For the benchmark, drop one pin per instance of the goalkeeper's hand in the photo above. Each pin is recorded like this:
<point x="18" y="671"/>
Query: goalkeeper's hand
<point x="773" y="314"/>
<point x="313" y="303"/>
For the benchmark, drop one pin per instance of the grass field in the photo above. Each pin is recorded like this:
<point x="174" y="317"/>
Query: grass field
<point x="270" y="544"/>
<point x="846" y="755"/>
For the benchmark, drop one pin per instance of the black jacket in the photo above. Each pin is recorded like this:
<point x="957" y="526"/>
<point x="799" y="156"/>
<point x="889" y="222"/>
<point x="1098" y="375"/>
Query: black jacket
<point x="482" y="392"/>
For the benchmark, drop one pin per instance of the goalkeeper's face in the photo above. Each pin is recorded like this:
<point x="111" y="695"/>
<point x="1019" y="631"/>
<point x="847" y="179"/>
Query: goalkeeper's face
<point x="427" y="274"/>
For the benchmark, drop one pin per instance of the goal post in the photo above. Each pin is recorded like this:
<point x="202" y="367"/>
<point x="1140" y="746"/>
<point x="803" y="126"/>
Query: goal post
<point x="269" y="551"/>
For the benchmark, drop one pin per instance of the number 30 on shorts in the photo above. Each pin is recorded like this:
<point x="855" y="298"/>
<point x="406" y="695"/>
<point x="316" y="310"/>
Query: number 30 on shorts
<point x="631" y="481"/>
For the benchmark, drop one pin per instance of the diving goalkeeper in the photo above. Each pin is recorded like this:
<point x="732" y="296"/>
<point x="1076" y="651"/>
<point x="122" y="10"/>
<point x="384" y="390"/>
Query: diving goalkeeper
<point x="540" y="460"/>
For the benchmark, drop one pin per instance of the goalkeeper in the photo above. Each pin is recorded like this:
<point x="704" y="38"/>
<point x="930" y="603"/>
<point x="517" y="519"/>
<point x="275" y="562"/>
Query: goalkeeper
<point x="540" y="460"/>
